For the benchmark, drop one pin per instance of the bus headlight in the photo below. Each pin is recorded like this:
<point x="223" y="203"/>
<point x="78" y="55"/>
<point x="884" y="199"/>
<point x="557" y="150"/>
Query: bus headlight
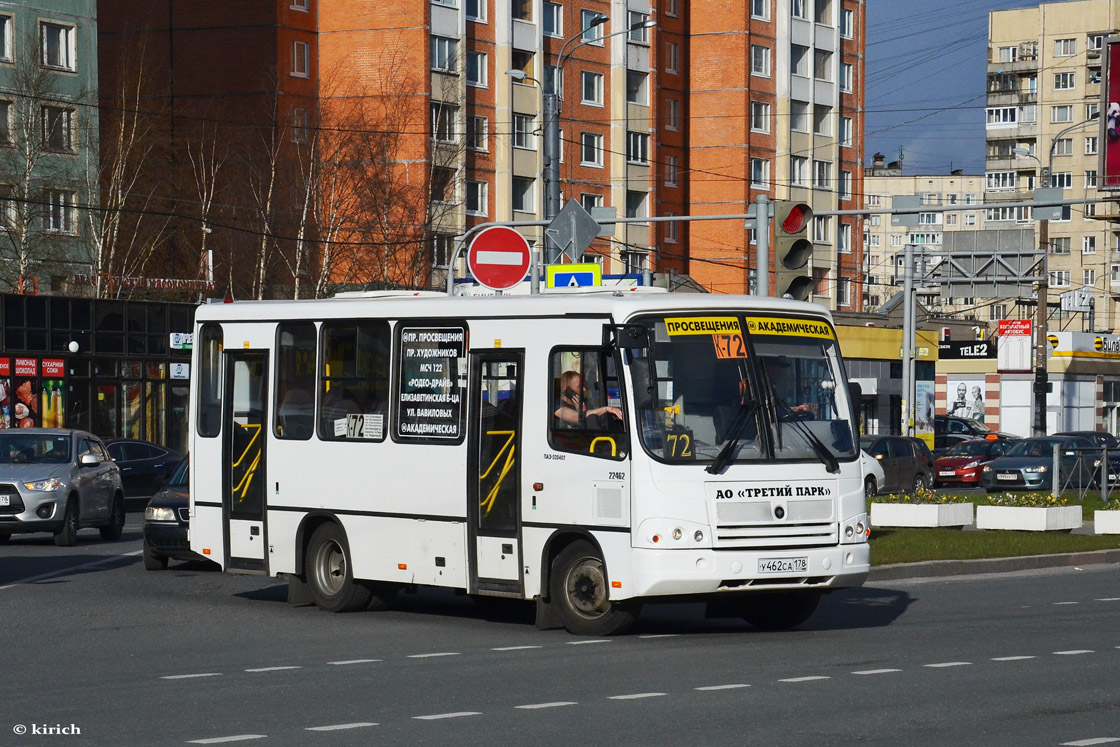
<point x="855" y="529"/>
<point x="677" y="533"/>
<point x="698" y="536"/>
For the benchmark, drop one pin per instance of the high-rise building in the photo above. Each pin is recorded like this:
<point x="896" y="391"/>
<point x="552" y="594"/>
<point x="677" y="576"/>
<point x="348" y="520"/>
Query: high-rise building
<point x="667" y="108"/>
<point x="1042" y="124"/>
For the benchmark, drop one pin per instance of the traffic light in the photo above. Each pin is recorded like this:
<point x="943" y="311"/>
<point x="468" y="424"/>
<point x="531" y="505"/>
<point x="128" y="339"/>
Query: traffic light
<point x="792" y="249"/>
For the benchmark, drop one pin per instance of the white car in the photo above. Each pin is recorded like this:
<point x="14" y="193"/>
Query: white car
<point x="873" y="475"/>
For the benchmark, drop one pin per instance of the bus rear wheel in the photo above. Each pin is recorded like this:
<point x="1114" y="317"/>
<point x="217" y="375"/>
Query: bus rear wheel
<point x="581" y="592"/>
<point x="330" y="576"/>
<point x="779" y="611"/>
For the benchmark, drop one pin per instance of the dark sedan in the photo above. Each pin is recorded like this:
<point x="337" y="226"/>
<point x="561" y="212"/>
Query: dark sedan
<point x="904" y="467"/>
<point x="1029" y="464"/>
<point x="167" y="520"/>
<point x="144" y="466"/>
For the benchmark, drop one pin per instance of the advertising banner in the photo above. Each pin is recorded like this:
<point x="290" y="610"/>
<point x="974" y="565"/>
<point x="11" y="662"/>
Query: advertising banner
<point x="1110" y="117"/>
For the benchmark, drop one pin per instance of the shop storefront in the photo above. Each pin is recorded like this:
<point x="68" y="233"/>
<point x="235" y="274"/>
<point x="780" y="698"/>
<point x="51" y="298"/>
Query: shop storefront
<point x="115" y="368"/>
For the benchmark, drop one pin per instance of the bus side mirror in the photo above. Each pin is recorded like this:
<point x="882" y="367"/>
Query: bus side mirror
<point x="627" y="336"/>
<point x="855" y="391"/>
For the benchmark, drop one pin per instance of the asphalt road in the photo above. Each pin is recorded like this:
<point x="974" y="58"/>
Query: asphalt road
<point x="93" y="642"/>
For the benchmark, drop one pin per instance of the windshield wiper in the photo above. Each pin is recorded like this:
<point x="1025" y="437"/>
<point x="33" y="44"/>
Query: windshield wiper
<point x="734" y="435"/>
<point x="823" y="452"/>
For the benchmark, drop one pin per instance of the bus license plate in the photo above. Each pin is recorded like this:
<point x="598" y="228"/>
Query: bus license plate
<point x="783" y="565"/>
<point x="5" y="501"/>
<point x="1002" y="476"/>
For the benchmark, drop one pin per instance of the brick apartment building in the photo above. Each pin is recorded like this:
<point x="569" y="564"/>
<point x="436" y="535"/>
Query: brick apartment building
<point x="696" y="113"/>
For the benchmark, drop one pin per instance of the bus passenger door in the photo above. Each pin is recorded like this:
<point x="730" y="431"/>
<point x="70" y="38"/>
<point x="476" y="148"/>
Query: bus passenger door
<point x="243" y="459"/>
<point x="494" y="472"/>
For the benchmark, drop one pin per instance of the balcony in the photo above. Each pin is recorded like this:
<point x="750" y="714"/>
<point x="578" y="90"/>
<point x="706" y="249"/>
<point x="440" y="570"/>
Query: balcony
<point x="1011" y="98"/>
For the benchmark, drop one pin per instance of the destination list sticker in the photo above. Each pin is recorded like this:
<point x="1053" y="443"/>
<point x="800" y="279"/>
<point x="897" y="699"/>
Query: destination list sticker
<point x="431" y="397"/>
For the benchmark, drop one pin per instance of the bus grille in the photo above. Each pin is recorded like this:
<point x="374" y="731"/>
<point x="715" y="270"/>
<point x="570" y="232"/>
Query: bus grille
<point x="752" y="524"/>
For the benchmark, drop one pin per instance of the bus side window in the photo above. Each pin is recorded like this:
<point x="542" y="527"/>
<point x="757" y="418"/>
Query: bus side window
<point x="295" y="381"/>
<point x="210" y="381"/>
<point x="585" y="415"/>
<point x="355" y="374"/>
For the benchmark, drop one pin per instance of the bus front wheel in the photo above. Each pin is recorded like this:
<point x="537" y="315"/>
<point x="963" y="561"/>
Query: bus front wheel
<point x="779" y="611"/>
<point x="330" y="577"/>
<point x="580" y="591"/>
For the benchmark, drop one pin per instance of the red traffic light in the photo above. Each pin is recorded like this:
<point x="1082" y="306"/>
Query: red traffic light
<point x="797" y="218"/>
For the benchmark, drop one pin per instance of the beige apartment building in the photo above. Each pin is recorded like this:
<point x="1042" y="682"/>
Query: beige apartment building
<point x="1042" y="116"/>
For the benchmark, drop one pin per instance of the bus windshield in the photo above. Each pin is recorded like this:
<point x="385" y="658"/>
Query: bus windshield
<point x="742" y="388"/>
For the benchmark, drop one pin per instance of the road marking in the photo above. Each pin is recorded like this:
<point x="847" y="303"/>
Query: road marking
<point x="271" y="669"/>
<point x="636" y="696"/>
<point x="1060" y="604"/>
<point x="339" y="727"/>
<point x="710" y="688"/>
<point x="220" y="740"/>
<point x="804" y="679"/>
<point x="515" y="648"/>
<point x="71" y="569"/>
<point x="1089" y="742"/>
<point x="944" y="664"/>
<point x="660" y="635"/>
<point x="436" y="716"/>
<point x="352" y="661"/>
<point x="190" y="676"/>
<point x="877" y="671"/>
<point x="557" y="704"/>
<point x="1109" y="599"/>
<point x="1073" y="652"/>
<point x="1012" y="658"/>
<point x="582" y="643"/>
<point x="430" y="656"/>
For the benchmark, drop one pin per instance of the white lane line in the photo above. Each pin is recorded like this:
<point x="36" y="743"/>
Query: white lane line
<point x="1108" y="599"/>
<point x="190" y="676"/>
<point x="1090" y="742"/>
<point x="432" y="656"/>
<point x="636" y="696"/>
<point x="660" y="635"/>
<point x="877" y="671"/>
<point x="1061" y="604"/>
<point x="944" y="664"/>
<point x="271" y="669"/>
<point x="340" y="727"/>
<point x="71" y="569"/>
<point x="437" y="716"/>
<point x="804" y="679"/>
<point x="221" y="740"/>
<point x="557" y="704"/>
<point x="1073" y="652"/>
<point x="352" y="661"/>
<point x="583" y="643"/>
<point x="711" y="688"/>
<point x="515" y="648"/>
<point x="1012" y="658"/>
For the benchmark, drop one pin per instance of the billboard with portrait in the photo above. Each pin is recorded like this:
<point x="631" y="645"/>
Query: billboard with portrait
<point x="1110" y="117"/>
<point x="964" y="398"/>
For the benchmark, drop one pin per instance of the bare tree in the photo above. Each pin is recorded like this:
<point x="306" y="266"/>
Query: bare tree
<point x="207" y="153"/>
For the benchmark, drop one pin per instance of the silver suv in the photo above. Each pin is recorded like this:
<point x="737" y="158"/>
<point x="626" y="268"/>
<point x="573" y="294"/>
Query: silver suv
<point x="58" y="480"/>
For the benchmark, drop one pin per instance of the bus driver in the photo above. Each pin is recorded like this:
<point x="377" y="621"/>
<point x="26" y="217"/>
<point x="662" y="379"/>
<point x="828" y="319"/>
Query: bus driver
<point x="571" y="409"/>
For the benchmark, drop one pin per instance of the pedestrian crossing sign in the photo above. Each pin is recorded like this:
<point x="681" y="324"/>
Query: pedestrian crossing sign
<point x="573" y="276"/>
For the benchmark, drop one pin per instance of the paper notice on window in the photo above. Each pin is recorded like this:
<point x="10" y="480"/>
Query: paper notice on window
<point x="372" y="426"/>
<point x="340" y="427"/>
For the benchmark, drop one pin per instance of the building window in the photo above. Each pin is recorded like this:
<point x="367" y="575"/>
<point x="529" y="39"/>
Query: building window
<point x="845" y="185"/>
<point x="820" y="281"/>
<point x="6" y="38"/>
<point x="1065" y="47"/>
<point x="591" y="88"/>
<point x="672" y="229"/>
<point x="524" y="194"/>
<point x="636" y="204"/>
<point x="672" y="114"/>
<point x="822" y="174"/>
<point x="636" y="88"/>
<point x="822" y="119"/>
<point x="760" y="173"/>
<point x="1088" y="244"/>
<point x="846" y="76"/>
<point x="1061" y="179"/>
<point x="1090" y="179"/>
<point x="477" y="132"/>
<point x="522" y="10"/>
<point x="1060" y="245"/>
<point x="1090" y="210"/>
<point x="1092" y="111"/>
<point x="523" y="61"/>
<point x="970" y="220"/>
<point x="822" y="233"/>
<point x="523" y="132"/>
<point x="760" y="116"/>
<point x="847" y="23"/>
<point x="799" y="171"/>
<point x="672" y="171"/>
<point x="1064" y="81"/>
<point x="1061" y="113"/>
<point x="846" y="131"/>
<point x="672" y="58"/>
<point x="57" y="42"/>
<point x="799" y="60"/>
<point x="476" y="198"/>
<point x="443" y="54"/>
<point x="1059" y="278"/>
<point x="760" y="9"/>
<point x="301" y="126"/>
<point x="6" y="111"/>
<point x="760" y="60"/>
<point x="636" y="22"/>
<point x="590" y="149"/>
<point x="843" y="291"/>
<point x="590" y="201"/>
<point x="58" y="129"/>
<point x="301" y="59"/>
<point x="798" y="115"/>
<point x="671" y="8"/>
<point x="476" y="69"/>
<point x="1114" y="275"/>
<point x="1063" y="147"/>
<point x="59" y="214"/>
<point x="553" y="19"/>
<point x="300" y="5"/>
<point x="591" y="34"/>
<point x="1002" y="116"/>
<point x="844" y="239"/>
<point x="822" y="65"/>
<point x="637" y="147"/>
<point x="1000" y="180"/>
<point x="476" y="10"/>
<point x="443" y="122"/>
<point x="443" y="185"/>
<point x="799" y="8"/>
<point x="443" y="245"/>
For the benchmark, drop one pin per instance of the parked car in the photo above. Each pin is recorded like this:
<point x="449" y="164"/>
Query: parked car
<point x="963" y="463"/>
<point x="58" y="480"/>
<point x="1029" y="464"/>
<point x="1104" y="439"/>
<point x="949" y="431"/>
<point x="145" y="466"/>
<point x="923" y="451"/>
<point x="903" y="467"/>
<point x="167" y="521"/>
<point x="873" y="475"/>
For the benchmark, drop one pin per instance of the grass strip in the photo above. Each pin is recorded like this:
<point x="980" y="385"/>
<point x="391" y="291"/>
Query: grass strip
<point x="914" y="545"/>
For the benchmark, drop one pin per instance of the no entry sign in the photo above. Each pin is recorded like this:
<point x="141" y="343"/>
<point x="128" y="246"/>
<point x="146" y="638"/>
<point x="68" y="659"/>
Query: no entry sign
<point x="499" y="258"/>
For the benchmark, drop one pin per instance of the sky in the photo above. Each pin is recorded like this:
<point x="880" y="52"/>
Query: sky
<point x="926" y="72"/>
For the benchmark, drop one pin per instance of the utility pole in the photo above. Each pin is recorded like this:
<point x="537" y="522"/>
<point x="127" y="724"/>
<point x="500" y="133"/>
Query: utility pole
<point x="762" y="241"/>
<point x="1040" y="378"/>
<point x="908" y="314"/>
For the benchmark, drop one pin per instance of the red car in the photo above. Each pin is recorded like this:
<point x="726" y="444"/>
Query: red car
<point x="963" y="463"/>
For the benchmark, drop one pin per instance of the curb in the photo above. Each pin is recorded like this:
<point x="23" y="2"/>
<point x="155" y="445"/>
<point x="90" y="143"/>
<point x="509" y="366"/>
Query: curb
<point x="937" y="568"/>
